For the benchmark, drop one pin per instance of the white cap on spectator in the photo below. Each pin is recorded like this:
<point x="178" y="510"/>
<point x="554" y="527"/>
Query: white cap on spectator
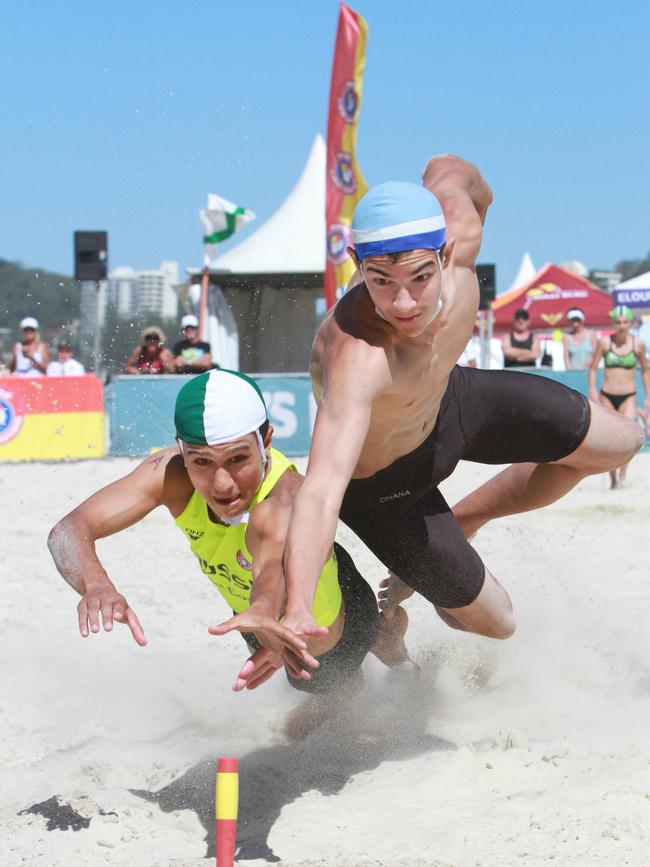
<point x="575" y="313"/>
<point x="29" y="322"/>
<point x="189" y="321"/>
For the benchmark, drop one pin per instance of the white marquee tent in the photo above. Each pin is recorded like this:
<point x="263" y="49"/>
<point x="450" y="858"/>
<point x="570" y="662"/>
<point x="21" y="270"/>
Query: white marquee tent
<point x="292" y="240"/>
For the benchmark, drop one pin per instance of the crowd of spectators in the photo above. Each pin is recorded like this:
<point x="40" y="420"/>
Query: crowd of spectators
<point x="189" y="355"/>
<point x="30" y="356"/>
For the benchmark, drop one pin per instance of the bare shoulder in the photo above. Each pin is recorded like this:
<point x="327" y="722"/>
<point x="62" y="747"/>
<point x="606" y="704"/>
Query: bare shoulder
<point x="353" y="347"/>
<point x="164" y="472"/>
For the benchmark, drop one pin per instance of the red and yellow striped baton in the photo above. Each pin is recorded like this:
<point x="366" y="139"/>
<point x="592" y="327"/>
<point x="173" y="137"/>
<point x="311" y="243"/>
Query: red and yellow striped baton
<point x="226" y="805"/>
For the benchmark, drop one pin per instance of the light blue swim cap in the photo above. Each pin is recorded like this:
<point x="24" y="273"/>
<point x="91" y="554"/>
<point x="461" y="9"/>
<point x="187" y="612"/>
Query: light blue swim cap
<point x="397" y="216"/>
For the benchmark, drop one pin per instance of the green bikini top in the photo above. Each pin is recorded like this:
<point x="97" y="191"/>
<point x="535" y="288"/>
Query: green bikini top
<point x="613" y="359"/>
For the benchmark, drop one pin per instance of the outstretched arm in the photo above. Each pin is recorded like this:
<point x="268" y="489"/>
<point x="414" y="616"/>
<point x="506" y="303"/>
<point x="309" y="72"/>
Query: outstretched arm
<point x="266" y="537"/>
<point x="72" y="543"/>
<point x="355" y="375"/>
<point x="464" y="197"/>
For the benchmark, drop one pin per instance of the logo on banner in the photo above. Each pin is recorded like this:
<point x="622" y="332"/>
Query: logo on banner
<point x="347" y="101"/>
<point x="11" y="415"/>
<point x="342" y="174"/>
<point x="338" y="241"/>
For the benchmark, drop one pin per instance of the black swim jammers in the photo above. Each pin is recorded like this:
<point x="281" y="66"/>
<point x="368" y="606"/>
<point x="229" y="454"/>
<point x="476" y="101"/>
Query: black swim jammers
<point x="486" y="416"/>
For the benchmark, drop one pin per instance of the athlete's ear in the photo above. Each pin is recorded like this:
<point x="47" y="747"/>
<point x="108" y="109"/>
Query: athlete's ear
<point x="447" y="251"/>
<point x="352" y="253"/>
<point x="268" y="436"/>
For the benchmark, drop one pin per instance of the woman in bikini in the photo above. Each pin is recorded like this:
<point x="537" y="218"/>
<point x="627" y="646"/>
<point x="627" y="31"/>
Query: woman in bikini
<point x="622" y="353"/>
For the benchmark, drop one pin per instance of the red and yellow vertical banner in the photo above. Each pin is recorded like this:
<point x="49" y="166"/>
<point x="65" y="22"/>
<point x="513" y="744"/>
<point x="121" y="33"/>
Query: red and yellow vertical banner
<point x="344" y="182"/>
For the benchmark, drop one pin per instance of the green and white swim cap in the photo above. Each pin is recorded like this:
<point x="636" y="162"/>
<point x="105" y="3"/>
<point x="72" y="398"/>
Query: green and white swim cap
<point x="218" y="407"/>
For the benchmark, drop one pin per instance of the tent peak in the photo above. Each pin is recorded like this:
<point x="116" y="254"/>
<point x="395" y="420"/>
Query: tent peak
<point x="292" y="240"/>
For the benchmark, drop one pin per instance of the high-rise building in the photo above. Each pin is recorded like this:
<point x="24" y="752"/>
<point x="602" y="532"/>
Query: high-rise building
<point x="129" y="293"/>
<point x="122" y="289"/>
<point x="154" y="291"/>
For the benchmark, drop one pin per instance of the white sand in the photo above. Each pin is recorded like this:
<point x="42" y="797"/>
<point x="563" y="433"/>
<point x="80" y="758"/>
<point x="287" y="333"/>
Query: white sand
<point x="526" y="752"/>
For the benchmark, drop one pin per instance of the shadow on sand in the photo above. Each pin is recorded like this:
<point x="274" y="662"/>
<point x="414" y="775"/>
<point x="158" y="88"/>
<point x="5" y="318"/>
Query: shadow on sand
<point x="358" y="735"/>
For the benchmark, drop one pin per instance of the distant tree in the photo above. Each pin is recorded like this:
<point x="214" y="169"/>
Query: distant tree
<point x="633" y="267"/>
<point x="52" y="298"/>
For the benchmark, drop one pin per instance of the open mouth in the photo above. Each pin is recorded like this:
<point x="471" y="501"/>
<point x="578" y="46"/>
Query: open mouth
<point x="227" y="503"/>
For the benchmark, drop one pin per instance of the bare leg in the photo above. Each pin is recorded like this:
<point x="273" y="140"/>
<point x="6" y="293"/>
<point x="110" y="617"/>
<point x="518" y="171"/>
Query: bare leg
<point x="627" y="409"/>
<point x="612" y="440"/>
<point x="490" y="614"/>
<point x="390" y="647"/>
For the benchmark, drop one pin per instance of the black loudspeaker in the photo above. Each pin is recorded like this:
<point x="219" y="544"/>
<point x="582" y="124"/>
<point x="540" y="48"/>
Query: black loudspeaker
<point x="487" y="284"/>
<point x="90" y="255"/>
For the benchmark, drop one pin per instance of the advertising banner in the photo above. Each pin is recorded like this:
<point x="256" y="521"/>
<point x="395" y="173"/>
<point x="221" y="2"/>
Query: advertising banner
<point x="141" y="412"/>
<point x="632" y="297"/>
<point x="47" y="418"/>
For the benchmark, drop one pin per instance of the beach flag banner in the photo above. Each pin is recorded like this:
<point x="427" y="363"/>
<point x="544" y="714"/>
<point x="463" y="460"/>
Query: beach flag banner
<point x="48" y="418"/>
<point x="219" y="221"/>
<point x="344" y="183"/>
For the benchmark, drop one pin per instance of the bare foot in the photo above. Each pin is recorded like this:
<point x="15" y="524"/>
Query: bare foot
<point x="390" y="647"/>
<point x="392" y="592"/>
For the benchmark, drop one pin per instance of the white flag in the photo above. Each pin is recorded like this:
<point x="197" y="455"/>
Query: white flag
<point x="219" y="221"/>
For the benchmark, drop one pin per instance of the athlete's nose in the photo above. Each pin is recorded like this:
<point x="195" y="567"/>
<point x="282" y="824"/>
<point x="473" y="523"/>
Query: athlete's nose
<point x="223" y="483"/>
<point x="403" y="302"/>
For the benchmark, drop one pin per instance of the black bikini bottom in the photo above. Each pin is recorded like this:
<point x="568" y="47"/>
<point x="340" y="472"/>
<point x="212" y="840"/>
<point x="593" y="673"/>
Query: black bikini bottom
<point x="617" y="400"/>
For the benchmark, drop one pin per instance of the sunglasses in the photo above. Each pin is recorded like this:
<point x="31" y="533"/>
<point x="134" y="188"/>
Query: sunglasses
<point x="152" y="336"/>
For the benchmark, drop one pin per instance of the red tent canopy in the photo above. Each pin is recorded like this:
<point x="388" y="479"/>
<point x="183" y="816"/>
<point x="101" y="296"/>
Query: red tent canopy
<point x="548" y="296"/>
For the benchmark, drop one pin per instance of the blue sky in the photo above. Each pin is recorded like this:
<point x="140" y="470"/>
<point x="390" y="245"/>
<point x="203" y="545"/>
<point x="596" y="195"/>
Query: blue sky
<point x="124" y="115"/>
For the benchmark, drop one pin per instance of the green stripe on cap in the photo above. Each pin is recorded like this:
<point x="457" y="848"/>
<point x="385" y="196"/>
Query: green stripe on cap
<point x="218" y="407"/>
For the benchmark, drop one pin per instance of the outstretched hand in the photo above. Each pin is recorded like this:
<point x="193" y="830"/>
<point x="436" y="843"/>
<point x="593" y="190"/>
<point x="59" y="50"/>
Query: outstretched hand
<point x="282" y="639"/>
<point x="112" y="606"/>
<point x="257" y="669"/>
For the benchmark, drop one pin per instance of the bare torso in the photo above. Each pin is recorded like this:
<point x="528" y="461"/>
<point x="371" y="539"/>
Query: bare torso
<point x="415" y="372"/>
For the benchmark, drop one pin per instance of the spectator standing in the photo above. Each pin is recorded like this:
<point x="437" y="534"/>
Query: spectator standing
<point x="65" y="365"/>
<point x="30" y="355"/>
<point x="622" y="353"/>
<point x="151" y="357"/>
<point x="521" y="347"/>
<point x="579" y="342"/>
<point x="192" y="355"/>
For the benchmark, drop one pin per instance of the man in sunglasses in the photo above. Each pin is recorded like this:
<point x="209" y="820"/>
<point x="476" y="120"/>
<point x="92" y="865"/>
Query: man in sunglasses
<point x="151" y="357"/>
